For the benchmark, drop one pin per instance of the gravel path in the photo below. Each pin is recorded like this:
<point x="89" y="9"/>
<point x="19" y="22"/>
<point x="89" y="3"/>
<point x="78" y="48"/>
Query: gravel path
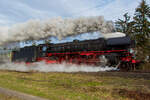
<point x="19" y="95"/>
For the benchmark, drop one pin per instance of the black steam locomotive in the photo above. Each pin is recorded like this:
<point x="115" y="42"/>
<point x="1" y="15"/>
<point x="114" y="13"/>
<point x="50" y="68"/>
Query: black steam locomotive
<point x="111" y="52"/>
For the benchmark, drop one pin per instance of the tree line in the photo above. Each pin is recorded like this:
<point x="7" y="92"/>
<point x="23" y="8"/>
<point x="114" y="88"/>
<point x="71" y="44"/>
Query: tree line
<point x="138" y="28"/>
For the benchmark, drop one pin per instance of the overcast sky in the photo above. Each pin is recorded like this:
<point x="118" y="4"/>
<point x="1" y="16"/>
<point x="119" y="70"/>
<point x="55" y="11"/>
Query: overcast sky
<point x="17" y="11"/>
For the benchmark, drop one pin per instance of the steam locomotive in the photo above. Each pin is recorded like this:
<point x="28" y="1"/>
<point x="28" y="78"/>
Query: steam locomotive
<point x="110" y="50"/>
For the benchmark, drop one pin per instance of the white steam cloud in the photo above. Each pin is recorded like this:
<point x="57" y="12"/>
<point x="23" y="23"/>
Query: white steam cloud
<point x="58" y="27"/>
<point x="42" y="67"/>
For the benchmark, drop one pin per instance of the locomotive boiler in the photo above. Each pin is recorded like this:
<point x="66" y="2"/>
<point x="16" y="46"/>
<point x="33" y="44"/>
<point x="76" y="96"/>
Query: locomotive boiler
<point x="111" y="50"/>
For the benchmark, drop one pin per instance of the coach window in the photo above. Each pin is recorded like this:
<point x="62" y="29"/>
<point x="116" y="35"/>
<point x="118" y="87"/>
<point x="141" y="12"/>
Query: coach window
<point x="59" y="48"/>
<point x="40" y="48"/>
<point x="63" y="48"/>
<point x="75" y="46"/>
<point x="52" y="48"/>
<point x="68" y="46"/>
<point x="44" y="48"/>
<point x="86" y="46"/>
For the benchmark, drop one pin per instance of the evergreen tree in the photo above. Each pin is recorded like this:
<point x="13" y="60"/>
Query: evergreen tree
<point x="138" y="28"/>
<point x="125" y="25"/>
<point x="142" y="24"/>
<point x="142" y="29"/>
<point x="47" y="41"/>
<point x="33" y="43"/>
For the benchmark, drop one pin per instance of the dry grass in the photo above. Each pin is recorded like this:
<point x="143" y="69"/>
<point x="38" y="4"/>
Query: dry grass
<point x="77" y="86"/>
<point x="145" y="67"/>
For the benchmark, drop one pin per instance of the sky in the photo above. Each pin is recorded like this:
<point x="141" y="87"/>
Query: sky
<point x="18" y="11"/>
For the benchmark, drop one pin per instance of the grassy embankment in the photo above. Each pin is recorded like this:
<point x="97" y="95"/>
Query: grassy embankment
<point x="79" y="86"/>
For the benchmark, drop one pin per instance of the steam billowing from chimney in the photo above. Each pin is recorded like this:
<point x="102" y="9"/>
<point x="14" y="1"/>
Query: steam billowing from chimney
<point x="58" y="27"/>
